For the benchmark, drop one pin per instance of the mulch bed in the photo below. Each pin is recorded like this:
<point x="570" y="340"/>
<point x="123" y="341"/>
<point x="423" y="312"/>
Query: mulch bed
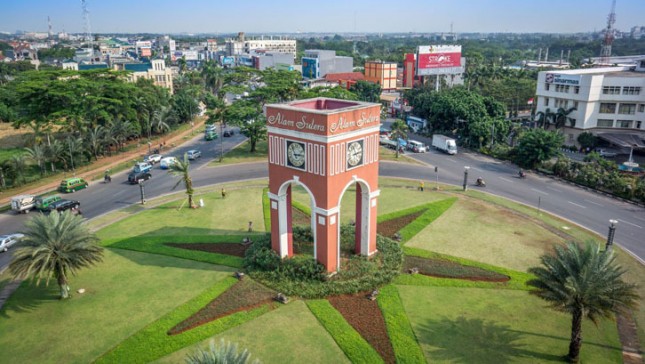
<point x="243" y="296"/>
<point x="391" y="227"/>
<point x="447" y="269"/>
<point x="366" y="318"/>
<point x="235" y="249"/>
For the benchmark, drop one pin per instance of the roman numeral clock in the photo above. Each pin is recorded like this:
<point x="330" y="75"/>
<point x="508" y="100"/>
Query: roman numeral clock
<point x="325" y="146"/>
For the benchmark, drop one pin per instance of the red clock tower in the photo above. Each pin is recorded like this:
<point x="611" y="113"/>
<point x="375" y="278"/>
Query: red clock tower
<point x="325" y="146"/>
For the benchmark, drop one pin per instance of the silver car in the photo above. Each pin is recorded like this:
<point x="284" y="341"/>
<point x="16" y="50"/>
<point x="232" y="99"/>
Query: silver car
<point x="7" y="241"/>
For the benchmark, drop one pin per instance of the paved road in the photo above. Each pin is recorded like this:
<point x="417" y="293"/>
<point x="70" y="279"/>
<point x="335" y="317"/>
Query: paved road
<point x="585" y="208"/>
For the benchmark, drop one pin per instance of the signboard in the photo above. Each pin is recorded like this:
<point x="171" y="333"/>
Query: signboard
<point x="143" y="44"/>
<point x="227" y="61"/>
<point x="561" y="79"/>
<point x="310" y="68"/>
<point x="245" y="61"/>
<point x="434" y="60"/>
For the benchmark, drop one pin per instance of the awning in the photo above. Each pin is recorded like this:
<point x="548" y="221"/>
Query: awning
<point x="623" y="140"/>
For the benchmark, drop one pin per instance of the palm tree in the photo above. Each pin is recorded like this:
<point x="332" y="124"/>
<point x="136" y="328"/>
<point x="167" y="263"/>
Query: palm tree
<point x="161" y="119"/>
<point x="55" y="246"/>
<point x="73" y="147"/>
<point x="562" y="116"/>
<point x="399" y="130"/>
<point x="181" y="170"/>
<point x="544" y="118"/>
<point x="94" y="140"/>
<point x="56" y="153"/>
<point x="583" y="282"/>
<point x="19" y="164"/>
<point x="39" y="155"/>
<point x="226" y="352"/>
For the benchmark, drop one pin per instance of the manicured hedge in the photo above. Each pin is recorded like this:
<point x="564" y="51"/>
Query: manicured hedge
<point x="153" y="342"/>
<point x="156" y="245"/>
<point x="405" y="344"/>
<point x="302" y="207"/>
<point x="266" y="209"/>
<point x="432" y="211"/>
<point x="349" y="340"/>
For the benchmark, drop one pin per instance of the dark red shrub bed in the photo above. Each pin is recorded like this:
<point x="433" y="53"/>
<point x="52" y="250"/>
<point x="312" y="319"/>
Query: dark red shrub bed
<point x="448" y="269"/>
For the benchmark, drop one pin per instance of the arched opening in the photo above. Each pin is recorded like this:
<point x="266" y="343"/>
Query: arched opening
<point x="296" y="214"/>
<point x="354" y="216"/>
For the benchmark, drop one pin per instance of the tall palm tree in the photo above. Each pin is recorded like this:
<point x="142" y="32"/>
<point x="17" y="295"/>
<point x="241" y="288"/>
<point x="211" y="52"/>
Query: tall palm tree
<point x="583" y="282"/>
<point x="545" y="118"/>
<point x="399" y="130"/>
<point x="161" y="119"/>
<point x="39" y="155"/>
<point x="19" y="164"/>
<point x="56" y="153"/>
<point x="55" y="246"/>
<point x="181" y="170"/>
<point x="73" y="147"/>
<point x="95" y="141"/>
<point x="562" y="116"/>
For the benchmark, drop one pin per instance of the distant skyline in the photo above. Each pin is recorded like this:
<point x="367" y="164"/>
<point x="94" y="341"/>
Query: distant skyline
<point x="331" y="16"/>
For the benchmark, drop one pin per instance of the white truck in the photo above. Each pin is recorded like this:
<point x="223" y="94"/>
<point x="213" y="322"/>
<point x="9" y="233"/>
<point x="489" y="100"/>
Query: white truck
<point x="444" y="143"/>
<point x="23" y="203"/>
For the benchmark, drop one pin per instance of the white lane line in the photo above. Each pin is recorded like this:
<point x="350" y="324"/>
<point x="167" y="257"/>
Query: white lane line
<point x="575" y="204"/>
<point x="595" y="203"/>
<point x="452" y="161"/>
<point x="504" y="179"/>
<point x="538" y="191"/>
<point x="553" y="189"/>
<point x="119" y="193"/>
<point x="629" y="223"/>
<point x="476" y="169"/>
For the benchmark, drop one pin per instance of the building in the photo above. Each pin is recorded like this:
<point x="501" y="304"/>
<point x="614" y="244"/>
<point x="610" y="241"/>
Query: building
<point x="409" y="70"/>
<point x="156" y="71"/>
<point x="317" y="63"/>
<point x="344" y="80"/>
<point x="382" y="73"/>
<point x="609" y="102"/>
<point x="242" y="45"/>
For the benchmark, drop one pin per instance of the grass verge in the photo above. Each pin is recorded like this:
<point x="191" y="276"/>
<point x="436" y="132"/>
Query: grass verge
<point x="348" y="339"/>
<point x="404" y="341"/>
<point x="266" y="209"/>
<point x="432" y="211"/>
<point x="241" y="154"/>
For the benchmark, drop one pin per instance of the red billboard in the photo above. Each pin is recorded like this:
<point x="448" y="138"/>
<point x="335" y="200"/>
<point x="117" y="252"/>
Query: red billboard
<point x="438" y="59"/>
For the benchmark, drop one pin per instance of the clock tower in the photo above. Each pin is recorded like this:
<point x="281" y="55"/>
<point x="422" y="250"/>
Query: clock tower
<point x="326" y="146"/>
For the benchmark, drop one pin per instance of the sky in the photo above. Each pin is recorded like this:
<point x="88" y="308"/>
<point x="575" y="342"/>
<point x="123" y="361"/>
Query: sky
<point x="329" y="16"/>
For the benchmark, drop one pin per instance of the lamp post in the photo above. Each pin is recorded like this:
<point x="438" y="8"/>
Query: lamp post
<point x="143" y="192"/>
<point x="610" y="234"/>
<point x="221" y="139"/>
<point x="466" y="168"/>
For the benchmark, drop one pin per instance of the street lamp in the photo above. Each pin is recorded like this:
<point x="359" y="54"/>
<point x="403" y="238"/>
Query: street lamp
<point x="466" y="168"/>
<point x="143" y="192"/>
<point x="610" y="235"/>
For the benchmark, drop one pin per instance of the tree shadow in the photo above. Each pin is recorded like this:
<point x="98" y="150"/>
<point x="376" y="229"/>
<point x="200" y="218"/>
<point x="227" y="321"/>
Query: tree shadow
<point x="477" y="341"/>
<point x="28" y="296"/>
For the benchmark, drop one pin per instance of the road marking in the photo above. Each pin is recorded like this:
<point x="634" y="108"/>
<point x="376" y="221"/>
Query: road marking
<point x="452" y="161"/>
<point x="477" y="169"/>
<point x="595" y="203"/>
<point x="553" y="189"/>
<point x="504" y="179"/>
<point x="629" y="223"/>
<point x="538" y="191"/>
<point x="575" y="204"/>
<point x="118" y="193"/>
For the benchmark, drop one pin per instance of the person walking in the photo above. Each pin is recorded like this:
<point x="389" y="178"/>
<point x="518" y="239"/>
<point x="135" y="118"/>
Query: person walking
<point x="421" y="186"/>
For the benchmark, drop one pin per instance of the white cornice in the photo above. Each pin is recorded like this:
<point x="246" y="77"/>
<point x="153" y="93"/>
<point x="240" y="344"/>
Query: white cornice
<point x="322" y="138"/>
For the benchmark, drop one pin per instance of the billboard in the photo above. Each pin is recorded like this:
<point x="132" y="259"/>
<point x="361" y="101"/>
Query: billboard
<point x="310" y="68"/>
<point x="439" y="60"/>
<point x="560" y="79"/>
<point x="227" y="61"/>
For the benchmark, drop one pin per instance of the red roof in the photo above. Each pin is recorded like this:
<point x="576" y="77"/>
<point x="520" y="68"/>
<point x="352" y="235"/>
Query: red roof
<point x="347" y="76"/>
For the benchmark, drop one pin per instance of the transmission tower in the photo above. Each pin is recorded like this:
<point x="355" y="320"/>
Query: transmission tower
<point x="86" y="27"/>
<point x="605" y="50"/>
<point x="50" y="34"/>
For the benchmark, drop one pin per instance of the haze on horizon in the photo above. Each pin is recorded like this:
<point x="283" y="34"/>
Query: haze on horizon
<point x="332" y="16"/>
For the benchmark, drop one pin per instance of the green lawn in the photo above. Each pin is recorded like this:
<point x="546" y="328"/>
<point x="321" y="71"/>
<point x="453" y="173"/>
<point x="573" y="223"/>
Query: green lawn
<point x="290" y="334"/>
<point x="474" y="325"/>
<point x="241" y="154"/>
<point x="123" y="294"/>
<point x="6" y="154"/>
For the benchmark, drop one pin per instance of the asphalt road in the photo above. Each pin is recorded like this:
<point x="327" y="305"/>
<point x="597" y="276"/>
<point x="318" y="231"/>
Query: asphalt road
<point x="579" y="206"/>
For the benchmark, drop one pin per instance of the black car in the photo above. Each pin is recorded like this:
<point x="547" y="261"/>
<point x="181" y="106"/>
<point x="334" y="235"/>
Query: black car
<point x="64" y="205"/>
<point x="229" y="133"/>
<point x="136" y="177"/>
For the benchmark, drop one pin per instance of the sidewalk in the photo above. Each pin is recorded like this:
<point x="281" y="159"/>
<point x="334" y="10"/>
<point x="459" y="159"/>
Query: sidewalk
<point x="97" y="168"/>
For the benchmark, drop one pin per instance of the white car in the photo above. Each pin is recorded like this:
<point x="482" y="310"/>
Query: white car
<point x="7" y="241"/>
<point x="193" y="154"/>
<point x="167" y="162"/>
<point x="153" y="158"/>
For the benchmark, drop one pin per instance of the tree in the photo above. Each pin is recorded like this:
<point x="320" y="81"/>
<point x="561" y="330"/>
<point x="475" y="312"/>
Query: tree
<point x="545" y="118"/>
<point x="536" y="146"/>
<point x="399" y="130"/>
<point x="226" y="352"/>
<point x="367" y="91"/>
<point x="38" y="154"/>
<point x="181" y="169"/>
<point x="254" y="129"/>
<point x="587" y="140"/>
<point x="585" y="283"/>
<point x="19" y="166"/>
<point x="95" y="141"/>
<point x="55" y="246"/>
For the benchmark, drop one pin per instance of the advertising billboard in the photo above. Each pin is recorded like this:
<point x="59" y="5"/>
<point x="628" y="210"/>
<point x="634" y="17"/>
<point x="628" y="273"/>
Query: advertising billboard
<point x="439" y="60"/>
<point x="560" y="79"/>
<point x="227" y="61"/>
<point x="310" y="68"/>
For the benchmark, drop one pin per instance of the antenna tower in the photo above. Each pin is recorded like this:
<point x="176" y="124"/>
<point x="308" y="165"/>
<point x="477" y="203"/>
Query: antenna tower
<point x="605" y="50"/>
<point x="86" y="26"/>
<point x="50" y="34"/>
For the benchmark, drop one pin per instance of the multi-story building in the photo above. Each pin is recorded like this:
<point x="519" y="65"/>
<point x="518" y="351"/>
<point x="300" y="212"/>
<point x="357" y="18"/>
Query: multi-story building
<point x="242" y="45"/>
<point x="317" y="63"/>
<point x="609" y="102"/>
<point x="382" y="73"/>
<point x="156" y="71"/>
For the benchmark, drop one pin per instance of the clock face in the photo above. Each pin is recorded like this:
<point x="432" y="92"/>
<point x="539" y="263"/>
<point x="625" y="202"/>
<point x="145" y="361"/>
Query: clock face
<point x="354" y="153"/>
<point x="296" y="154"/>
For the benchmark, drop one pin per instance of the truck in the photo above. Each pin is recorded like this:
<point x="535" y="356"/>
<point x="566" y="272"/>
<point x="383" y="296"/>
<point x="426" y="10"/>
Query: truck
<point x="23" y="203"/>
<point x="444" y="143"/>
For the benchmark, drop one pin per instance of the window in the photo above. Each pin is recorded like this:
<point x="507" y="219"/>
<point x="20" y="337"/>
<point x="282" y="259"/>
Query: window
<point x="607" y="108"/>
<point x="575" y="104"/>
<point x="630" y="90"/>
<point x="576" y="89"/>
<point x="623" y="123"/>
<point x="562" y="88"/>
<point x="546" y="86"/>
<point x="611" y="90"/>
<point x="573" y="122"/>
<point x="605" y="123"/>
<point x="641" y="108"/>
<point x="638" y="124"/>
<point x="570" y="137"/>
<point x="628" y="109"/>
<point x="546" y="101"/>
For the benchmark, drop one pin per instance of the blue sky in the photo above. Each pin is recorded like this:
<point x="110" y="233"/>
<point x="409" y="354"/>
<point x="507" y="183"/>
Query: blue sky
<point x="257" y="16"/>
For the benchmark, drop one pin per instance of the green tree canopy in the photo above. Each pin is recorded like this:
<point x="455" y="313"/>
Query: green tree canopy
<point x="536" y="146"/>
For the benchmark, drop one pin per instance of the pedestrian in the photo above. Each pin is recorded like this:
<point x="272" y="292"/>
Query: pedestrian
<point x="250" y="226"/>
<point x="223" y="193"/>
<point x="421" y="185"/>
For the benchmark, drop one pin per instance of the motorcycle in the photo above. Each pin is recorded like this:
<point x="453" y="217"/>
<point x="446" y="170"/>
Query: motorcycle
<point x="522" y="174"/>
<point x="107" y="179"/>
<point x="480" y="182"/>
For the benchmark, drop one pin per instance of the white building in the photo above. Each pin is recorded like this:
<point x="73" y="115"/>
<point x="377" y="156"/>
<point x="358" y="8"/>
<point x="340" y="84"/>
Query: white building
<point x="239" y="46"/>
<point x="609" y="102"/>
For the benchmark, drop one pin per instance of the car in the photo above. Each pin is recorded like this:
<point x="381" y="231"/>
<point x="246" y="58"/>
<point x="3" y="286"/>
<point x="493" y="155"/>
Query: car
<point x="229" y="133"/>
<point x="72" y="184"/>
<point x="167" y="162"/>
<point x="210" y="135"/>
<point x="193" y="154"/>
<point x="153" y="158"/>
<point x="134" y="177"/>
<point x="7" y="241"/>
<point x="64" y="205"/>
<point x="142" y="167"/>
<point x="606" y="153"/>
<point x="384" y="132"/>
<point x="416" y="146"/>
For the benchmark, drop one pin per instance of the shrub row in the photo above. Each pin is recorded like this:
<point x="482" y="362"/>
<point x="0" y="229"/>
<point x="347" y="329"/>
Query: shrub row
<point x="404" y="342"/>
<point x="153" y="342"/>
<point x="266" y="209"/>
<point x="349" y="340"/>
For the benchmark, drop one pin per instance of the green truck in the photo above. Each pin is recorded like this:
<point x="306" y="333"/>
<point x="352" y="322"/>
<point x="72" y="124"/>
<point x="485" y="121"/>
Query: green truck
<point x="210" y="135"/>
